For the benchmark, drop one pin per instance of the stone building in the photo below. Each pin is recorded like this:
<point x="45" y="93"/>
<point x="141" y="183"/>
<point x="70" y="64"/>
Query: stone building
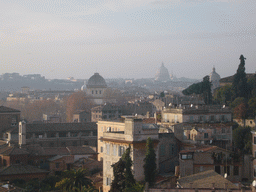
<point x="95" y="88"/>
<point x="9" y="118"/>
<point x="55" y="134"/>
<point x="106" y="112"/>
<point x="197" y="114"/>
<point x="196" y="160"/>
<point x="115" y="138"/>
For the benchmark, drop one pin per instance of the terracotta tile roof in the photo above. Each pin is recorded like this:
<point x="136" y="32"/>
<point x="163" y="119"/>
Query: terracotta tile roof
<point x="4" y="109"/>
<point x="149" y="120"/>
<point x="20" y="169"/>
<point x="13" y="151"/>
<point x="53" y="151"/>
<point x="200" y="149"/>
<point x="205" y="180"/>
<point x="80" y="150"/>
<point x="46" y="127"/>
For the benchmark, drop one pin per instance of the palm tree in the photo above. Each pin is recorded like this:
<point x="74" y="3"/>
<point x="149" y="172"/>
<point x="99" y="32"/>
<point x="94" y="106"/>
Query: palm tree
<point x="74" y="180"/>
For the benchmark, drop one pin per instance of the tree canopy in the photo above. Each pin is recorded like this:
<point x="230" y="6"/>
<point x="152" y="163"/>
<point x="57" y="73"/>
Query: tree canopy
<point x="202" y="88"/>
<point x="150" y="163"/>
<point x="242" y="139"/>
<point x="123" y="176"/>
<point x="239" y="84"/>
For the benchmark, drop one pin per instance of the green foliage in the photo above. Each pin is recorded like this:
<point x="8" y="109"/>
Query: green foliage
<point x="138" y="187"/>
<point x="118" y="184"/>
<point x="224" y="94"/>
<point x="129" y="178"/>
<point x="123" y="177"/>
<point x="162" y="94"/>
<point x="74" y="180"/>
<point x="239" y="84"/>
<point x="237" y="102"/>
<point x="252" y="85"/>
<point x="252" y="106"/>
<point x="203" y="88"/>
<point x="150" y="163"/>
<point x="242" y="139"/>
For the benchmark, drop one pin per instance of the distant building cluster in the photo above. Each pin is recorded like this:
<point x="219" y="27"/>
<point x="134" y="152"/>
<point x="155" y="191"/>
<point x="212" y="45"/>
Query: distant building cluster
<point x="193" y="142"/>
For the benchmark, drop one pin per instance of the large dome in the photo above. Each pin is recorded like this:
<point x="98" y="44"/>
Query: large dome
<point x="214" y="79"/>
<point x="96" y="81"/>
<point x="214" y="76"/>
<point x="162" y="74"/>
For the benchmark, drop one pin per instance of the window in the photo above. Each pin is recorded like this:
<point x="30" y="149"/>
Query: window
<point x="62" y="134"/>
<point x="236" y="170"/>
<point x="254" y="140"/>
<point x="191" y="119"/>
<point x="227" y="170"/>
<point x="205" y="135"/>
<point x="223" y="130"/>
<point x="57" y="165"/>
<point x="171" y="148"/>
<point x="92" y="92"/>
<point x="212" y="118"/>
<point x="63" y="144"/>
<point x="101" y="149"/>
<point x="74" y="143"/>
<point x="86" y="143"/>
<point x="18" y="162"/>
<point x="162" y="150"/>
<point x="187" y="156"/>
<point x="107" y="149"/>
<point x="120" y="150"/>
<point x="96" y="92"/>
<point x="201" y="168"/>
<point x="114" y="150"/>
<point x="217" y="169"/>
<point x="108" y="181"/>
<point x="53" y="135"/>
<point x="100" y="92"/>
<point x="51" y="144"/>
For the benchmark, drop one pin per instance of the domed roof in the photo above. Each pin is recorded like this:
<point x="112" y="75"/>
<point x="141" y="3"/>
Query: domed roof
<point x="162" y="74"/>
<point x="96" y="81"/>
<point x="214" y="76"/>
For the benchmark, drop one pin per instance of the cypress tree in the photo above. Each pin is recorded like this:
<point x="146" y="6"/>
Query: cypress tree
<point x="150" y="163"/>
<point x="240" y="85"/>
<point x="129" y="178"/>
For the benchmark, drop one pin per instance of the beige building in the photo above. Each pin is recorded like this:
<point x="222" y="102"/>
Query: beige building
<point x="115" y="138"/>
<point x="201" y="159"/>
<point x="196" y="114"/>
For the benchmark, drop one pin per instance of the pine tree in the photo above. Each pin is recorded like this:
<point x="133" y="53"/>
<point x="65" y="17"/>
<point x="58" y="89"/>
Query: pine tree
<point x="123" y="177"/>
<point x="129" y="178"/>
<point x="240" y="85"/>
<point x="150" y="163"/>
<point x="118" y="184"/>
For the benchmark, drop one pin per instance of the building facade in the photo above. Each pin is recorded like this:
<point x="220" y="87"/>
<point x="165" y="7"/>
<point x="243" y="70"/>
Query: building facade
<point x="114" y="143"/>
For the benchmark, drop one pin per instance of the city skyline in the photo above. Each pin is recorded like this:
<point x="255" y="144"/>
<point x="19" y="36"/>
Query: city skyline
<point x="128" y="39"/>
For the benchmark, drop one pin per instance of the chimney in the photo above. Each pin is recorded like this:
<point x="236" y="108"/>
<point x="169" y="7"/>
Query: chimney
<point x="22" y="133"/>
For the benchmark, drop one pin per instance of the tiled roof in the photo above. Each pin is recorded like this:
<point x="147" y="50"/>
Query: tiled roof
<point x="205" y="180"/>
<point x="79" y="150"/>
<point x="20" y="169"/>
<point x="12" y="151"/>
<point x="200" y="149"/>
<point x="45" y="127"/>
<point x="61" y="151"/>
<point x="4" y="109"/>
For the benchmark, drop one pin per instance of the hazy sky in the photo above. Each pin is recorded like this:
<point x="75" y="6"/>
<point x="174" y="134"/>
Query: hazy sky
<point x="126" y="38"/>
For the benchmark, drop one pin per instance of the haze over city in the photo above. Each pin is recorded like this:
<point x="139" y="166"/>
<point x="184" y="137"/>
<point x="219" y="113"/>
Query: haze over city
<point x="129" y="39"/>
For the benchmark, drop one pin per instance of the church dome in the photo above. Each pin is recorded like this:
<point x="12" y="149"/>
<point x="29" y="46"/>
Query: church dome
<point x="96" y="81"/>
<point x="162" y="74"/>
<point x="214" y="76"/>
<point x="214" y="79"/>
